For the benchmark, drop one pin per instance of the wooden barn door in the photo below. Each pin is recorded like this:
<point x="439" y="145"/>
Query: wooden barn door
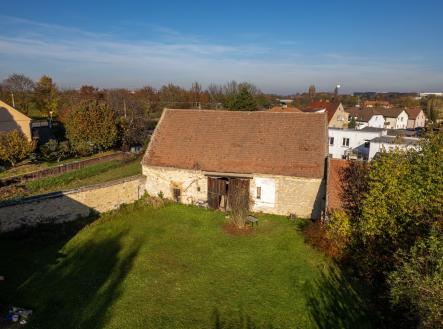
<point x="217" y="189"/>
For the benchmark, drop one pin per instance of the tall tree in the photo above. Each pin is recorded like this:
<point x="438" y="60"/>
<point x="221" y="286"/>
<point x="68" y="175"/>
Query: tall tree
<point x="243" y="101"/>
<point x="91" y="127"/>
<point x="19" y="88"/>
<point x="46" y="96"/>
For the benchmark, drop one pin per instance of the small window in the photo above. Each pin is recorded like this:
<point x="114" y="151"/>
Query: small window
<point x="345" y="142"/>
<point x="198" y="188"/>
<point x="177" y="194"/>
<point x="258" y="192"/>
<point x="331" y="141"/>
<point x="366" y="144"/>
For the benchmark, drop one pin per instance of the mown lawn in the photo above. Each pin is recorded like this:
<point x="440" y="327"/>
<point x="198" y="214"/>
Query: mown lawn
<point x="27" y="167"/>
<point x="175" y="267"/>
<point x="93" y="174"/>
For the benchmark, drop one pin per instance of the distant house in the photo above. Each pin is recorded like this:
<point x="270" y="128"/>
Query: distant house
<point x="352" y="143"/>
<point x="372" y="104"/>
<point x="395" y="118"/>
<point x="337" y="117"/>
<point x="11" y="119"/>
<point x="391" y="143"/>
<point x="366" y="117"/>
<point x="276" y="160"/>
<point x="416" y="118"/>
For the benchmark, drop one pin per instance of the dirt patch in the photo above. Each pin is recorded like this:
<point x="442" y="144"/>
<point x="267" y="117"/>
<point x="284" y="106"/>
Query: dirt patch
<point x="232" y="229"/>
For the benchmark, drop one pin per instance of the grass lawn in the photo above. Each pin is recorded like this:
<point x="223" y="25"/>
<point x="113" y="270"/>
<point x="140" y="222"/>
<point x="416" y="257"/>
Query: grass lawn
<point x="93" y="174"/>
<point x="27" y="167"/>
<point x="175" y="267"/>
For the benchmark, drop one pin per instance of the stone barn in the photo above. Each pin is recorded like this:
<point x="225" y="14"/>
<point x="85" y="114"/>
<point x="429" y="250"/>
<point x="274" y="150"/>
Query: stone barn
<point x="277" y="160"/>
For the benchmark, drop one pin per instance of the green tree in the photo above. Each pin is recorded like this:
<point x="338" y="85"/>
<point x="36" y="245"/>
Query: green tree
<point x="14" y="147"/>
<point x="418" y="280"/>
<point x="46" y="96"/>
<point x="352" y="123"/>
<point x="243" y="101"/>
<point x="55" y="151"/>
<point x="91" y="127"/>
<point x="19" y="88"/>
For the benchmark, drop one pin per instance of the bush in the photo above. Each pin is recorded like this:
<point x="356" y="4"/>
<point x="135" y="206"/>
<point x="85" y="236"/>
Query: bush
<point x="418" y="281"/>
<point x="14" y="147"/>
<point x="55" y="151"/>
<point x="339" y="231"/>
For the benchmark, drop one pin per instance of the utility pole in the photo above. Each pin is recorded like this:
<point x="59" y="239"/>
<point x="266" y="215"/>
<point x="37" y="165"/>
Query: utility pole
<point x="124" y="107"/>
<point x="13" y="101"/>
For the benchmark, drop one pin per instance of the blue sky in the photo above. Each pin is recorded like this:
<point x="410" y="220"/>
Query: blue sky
<point x="281" y="46"/>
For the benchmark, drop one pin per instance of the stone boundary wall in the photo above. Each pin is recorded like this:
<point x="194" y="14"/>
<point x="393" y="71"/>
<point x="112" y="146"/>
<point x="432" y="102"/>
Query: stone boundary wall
<point x="70" y="205"/>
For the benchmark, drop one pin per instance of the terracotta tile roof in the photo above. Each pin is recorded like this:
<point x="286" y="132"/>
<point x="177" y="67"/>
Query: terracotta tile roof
<point x="280" y="109"/>
<point x="413" y="113"/>
<point x="376" y="103"/>
<point x="389" y="113"/>
<point x="289" y="144"/>
<point x="362" y="115"/>
<point x="330" y="107"/>
<point x="335" y="187"/>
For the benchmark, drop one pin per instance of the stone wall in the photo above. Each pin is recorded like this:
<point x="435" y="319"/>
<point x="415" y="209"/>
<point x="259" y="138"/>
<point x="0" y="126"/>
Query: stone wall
<point x="281" y="195"/>
<point x="70" y="205"/>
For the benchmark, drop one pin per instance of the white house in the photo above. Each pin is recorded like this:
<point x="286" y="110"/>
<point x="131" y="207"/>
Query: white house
<point x="366" y="118"/>
<point x="391" y="143"/>
<point x="275" y="160"/>
<point x="416" y="118"/>
<point x="395" y="118"/>
<point x="352" y="143"/>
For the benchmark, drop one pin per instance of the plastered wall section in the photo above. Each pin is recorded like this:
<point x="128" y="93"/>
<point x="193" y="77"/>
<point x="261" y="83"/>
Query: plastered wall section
<point x="71" y="205"/>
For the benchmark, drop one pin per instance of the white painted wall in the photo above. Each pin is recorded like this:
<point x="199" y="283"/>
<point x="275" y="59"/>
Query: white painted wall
<point x="357" y="140"/>
<point x="400" y="122"/>
<point x="376" y="147"/>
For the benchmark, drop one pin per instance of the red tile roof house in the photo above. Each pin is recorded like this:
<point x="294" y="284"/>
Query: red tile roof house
<point x="278" y="159"/>
<point x="337" y="117"/>
<point x="416" y="118"/>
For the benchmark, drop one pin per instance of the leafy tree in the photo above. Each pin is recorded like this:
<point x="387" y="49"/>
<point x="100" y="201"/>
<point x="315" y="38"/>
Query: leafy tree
<point x="243" y="101"/>
<point x="20" y="86"/>
<point x="14" y="147"/>
<point x="46" y="96"/>
<point x="91" y="127"/>
<point x="418" y="280"/>
<point x="352" y="124"/>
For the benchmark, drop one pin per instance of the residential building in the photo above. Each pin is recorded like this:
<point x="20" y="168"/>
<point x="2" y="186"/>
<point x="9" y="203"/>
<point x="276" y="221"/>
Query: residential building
<point x="352" y="143"/>
<point x="391" y="143"/>
<point x="416" y="118"/>
<point x="11" y="119"/>
<point x="365" y="117"/>
<point x="337" y="117"/>
<point x="276" y="160"/>
<point x="395" y="118"/>
<point x="281" y="109"/>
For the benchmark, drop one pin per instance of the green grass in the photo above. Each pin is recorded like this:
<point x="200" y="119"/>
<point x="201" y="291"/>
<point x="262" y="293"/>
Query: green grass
<point x="98" y="173"/>
<point x="27" y="167"/>
<point x="175" y="267"/>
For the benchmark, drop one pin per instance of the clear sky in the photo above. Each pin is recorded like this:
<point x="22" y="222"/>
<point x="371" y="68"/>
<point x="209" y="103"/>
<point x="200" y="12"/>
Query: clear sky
<point x="281" y="46"/>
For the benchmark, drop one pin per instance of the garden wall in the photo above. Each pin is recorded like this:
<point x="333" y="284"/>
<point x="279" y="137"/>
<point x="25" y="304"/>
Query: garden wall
<point x="70" y="205"/>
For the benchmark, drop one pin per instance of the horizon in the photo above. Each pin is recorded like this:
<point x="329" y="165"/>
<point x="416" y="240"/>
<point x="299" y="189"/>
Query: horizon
<point x="282" y="47"/>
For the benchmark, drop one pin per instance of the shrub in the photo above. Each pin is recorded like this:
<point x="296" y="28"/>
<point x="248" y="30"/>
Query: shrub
<point x="339" y="231"/>
<point x="14" y="147"/>
<point x="55" y="151"/>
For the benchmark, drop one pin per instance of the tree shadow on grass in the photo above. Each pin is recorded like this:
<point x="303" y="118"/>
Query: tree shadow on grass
<point x="72" y="288"/>
<point x="241" y="321"/>
<point x="335" y="302"/>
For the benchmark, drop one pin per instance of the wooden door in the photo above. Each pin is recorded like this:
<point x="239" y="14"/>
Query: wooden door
<point x="217" y="187"/>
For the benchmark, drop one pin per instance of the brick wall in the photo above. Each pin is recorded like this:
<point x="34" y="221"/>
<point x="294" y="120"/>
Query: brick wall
<point x="70" y="205"/>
